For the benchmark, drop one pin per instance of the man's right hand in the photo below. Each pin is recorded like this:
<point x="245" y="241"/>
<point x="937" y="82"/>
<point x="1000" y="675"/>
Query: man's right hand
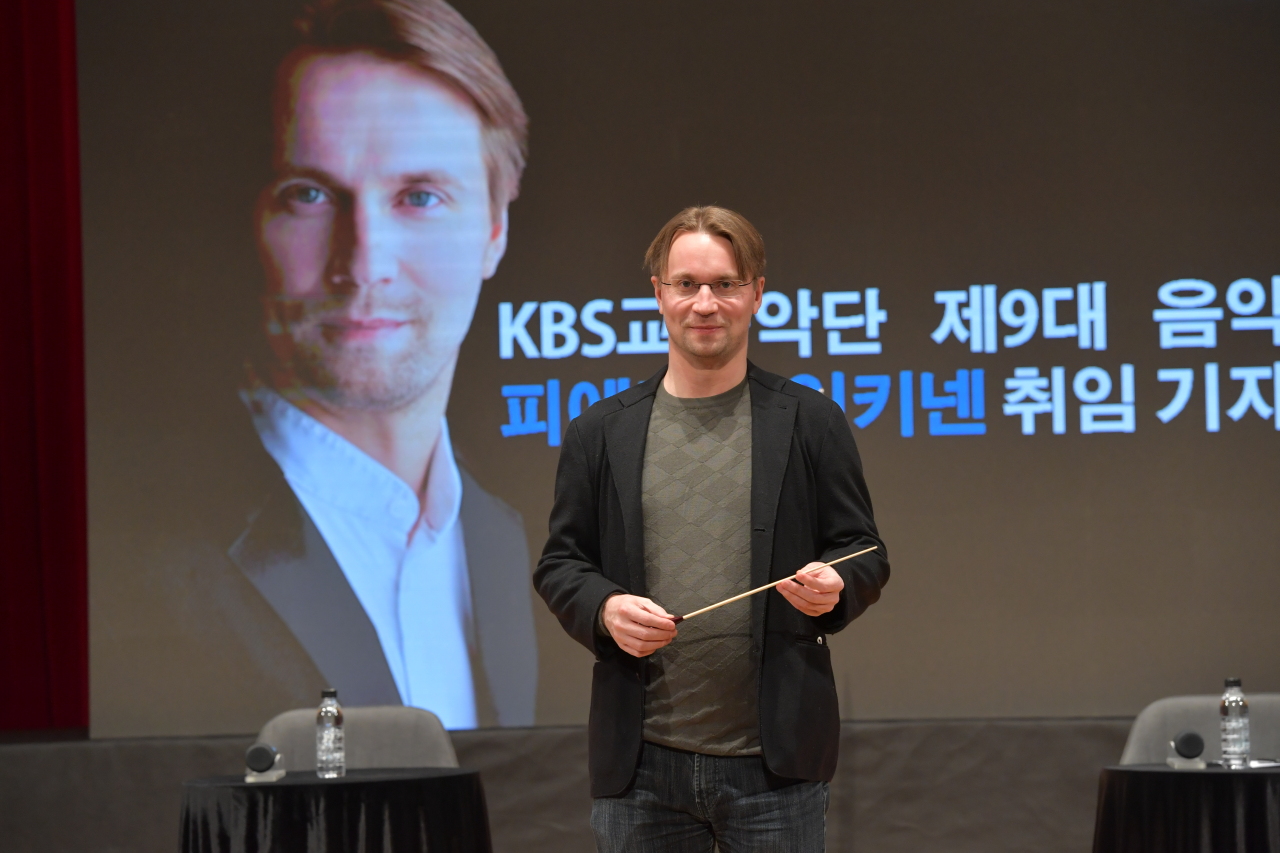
<point x="637" y="625"/>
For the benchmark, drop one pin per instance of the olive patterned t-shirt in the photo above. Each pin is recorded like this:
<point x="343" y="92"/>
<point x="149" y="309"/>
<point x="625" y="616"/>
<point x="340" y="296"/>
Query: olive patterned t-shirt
<point x="696" y="500"/>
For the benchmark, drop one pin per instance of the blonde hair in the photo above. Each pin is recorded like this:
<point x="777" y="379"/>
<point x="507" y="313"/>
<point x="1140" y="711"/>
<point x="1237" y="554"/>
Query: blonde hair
<point x="748" y="245"/>
<point x="432" y="35"/>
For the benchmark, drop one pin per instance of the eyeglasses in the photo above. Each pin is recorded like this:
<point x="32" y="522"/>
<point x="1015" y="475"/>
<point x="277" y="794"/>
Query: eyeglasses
<point x="724" y="289"/>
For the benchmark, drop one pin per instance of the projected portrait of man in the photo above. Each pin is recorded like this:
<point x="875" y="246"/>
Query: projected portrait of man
<point x="398" y="145"/>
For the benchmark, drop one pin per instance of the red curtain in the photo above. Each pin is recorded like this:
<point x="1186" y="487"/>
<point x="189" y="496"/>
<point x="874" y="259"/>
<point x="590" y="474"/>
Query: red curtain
<point x="44" y="654"/>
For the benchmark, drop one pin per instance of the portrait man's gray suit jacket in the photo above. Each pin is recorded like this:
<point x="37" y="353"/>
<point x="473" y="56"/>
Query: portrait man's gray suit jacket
<point x="232" y="609"/>
<point x="283" y="555"/>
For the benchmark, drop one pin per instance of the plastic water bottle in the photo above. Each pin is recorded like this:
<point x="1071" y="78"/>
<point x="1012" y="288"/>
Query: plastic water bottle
<point x="1235" y="726"/>
<point x="331" y="754"/>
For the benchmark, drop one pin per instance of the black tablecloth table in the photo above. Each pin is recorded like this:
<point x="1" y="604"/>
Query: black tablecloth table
<point x="398" y="811"/>
<point x="1151" y="808"/>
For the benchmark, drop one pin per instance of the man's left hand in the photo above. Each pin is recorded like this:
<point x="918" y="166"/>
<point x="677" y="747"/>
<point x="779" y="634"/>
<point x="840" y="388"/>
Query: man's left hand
<point x="813" y="592"/>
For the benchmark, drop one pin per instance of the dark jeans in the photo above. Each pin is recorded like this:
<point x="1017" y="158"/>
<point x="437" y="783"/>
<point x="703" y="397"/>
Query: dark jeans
<point x="683" y="802"/>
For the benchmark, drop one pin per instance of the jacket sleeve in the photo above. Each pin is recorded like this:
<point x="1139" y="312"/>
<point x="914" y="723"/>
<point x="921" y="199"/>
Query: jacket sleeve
<point x="846" y="524"/>
<point x="569" y="575"/>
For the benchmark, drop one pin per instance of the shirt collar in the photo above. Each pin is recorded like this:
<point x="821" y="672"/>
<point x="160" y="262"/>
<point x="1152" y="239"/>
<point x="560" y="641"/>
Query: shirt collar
<point x="315" y="459"/>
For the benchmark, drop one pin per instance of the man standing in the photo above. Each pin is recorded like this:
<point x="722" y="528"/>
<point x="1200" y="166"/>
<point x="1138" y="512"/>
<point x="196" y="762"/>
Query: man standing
<point x="711" y="478"/>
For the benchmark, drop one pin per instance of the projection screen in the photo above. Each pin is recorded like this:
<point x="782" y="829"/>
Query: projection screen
<point x="1030" y="249"/>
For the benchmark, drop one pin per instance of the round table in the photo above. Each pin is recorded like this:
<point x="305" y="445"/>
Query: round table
<point x="400" y="811"/>
<point x="1152" y="808"/>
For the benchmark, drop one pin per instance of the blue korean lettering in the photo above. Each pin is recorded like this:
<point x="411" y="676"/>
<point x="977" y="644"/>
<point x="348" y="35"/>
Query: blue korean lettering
<point x="580" y="393"/>
<point x="970" y="315"/>
<point x="1051" y="296"/>
<point x="1030" y="394"/>
<point x="1186" y="379"/>
<point x="1188" y="321"/>
<point x="1248" y="309"/>
<point x="1212" y="406"/>
<point x="875" y="400"/>
<point x="522" y="411"/>
<point x="906" y="404"/>
<point x="980" y="310"/>
<point x="776" y="311"/>
<point x="1091" y="315"/>
<point x="871" y="320"/>
<point x="1092" y="386"/>
<point x="522" y="420"/>
<point x="965" y="394"/>
<point x="583" y="395"/>
<point x="643" y="336"/>
<point x="1251" y="392"/>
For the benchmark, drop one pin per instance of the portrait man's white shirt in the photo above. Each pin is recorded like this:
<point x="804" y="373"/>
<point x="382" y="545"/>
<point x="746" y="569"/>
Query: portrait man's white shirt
<point x="403" y="556"/>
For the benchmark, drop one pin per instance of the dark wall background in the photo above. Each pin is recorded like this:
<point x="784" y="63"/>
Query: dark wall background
<point x="908" y="146"/>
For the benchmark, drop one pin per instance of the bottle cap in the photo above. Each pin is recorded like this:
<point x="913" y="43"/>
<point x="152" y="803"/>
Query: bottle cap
<point x="332" y="692"/>
<point x="1233" y="682"/>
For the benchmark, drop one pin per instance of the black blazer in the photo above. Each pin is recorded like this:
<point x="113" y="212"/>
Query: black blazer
<point x="808" y="502"/>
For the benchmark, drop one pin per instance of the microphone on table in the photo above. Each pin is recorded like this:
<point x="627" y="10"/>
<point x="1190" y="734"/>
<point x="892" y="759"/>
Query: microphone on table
<point x="1188" y="746"/>
<point x="262" y="763"/>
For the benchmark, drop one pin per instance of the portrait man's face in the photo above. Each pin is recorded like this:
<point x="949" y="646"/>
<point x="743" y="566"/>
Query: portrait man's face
<point x="376" y="231"/>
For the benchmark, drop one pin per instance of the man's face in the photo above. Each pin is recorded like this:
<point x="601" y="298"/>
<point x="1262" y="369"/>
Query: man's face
<point x="707" y="327"/>
<point x="376" y="231"/>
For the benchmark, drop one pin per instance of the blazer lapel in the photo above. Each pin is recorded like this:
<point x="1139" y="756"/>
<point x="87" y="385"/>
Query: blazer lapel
<point x="773" y="417"/>
<point x="504" y="649"/>
<point x="283" y="554"/>
<point x="625" y="432"/>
